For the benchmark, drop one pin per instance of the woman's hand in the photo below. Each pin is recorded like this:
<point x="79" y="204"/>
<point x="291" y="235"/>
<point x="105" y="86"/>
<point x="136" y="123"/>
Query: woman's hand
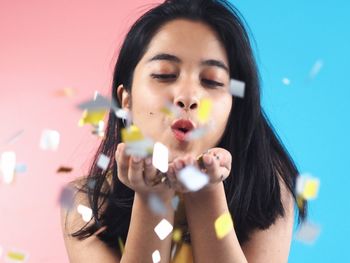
<point x="140" y="175"/>
<point x="216" y="163"/>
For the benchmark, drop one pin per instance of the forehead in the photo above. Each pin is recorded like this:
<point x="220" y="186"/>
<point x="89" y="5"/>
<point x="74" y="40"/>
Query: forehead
<point x="187" y="40"/>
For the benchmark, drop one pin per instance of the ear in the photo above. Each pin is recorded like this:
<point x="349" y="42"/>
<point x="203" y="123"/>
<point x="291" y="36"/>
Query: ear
<point x="123" y="97"/>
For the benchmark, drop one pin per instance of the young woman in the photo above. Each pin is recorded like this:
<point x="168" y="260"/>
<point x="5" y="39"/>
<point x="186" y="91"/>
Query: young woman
<point x="180" y="52"/>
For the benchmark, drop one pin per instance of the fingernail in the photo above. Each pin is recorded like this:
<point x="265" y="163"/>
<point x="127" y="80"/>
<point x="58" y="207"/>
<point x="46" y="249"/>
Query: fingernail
<point x="136" y="159"/>
<point x="148" y="161"/>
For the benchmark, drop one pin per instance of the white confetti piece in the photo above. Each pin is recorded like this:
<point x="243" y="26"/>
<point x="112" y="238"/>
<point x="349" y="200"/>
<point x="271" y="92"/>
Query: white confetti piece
<point x="13" y="138"/>
<point x="163" y="229"/>
<point x="316" y="69"/>
<point x="67" y="196"/>
<point x="308" y="233"/>
<point x="192" y="178"/>
<point x="237" y="88"/>
<point x="8" y="166"/>
<point x="50" y="140"/>
<point x="160" y="157"/>
<point x="141" y="148"/>
<point x="103" y="161"/>
<point x="156" y="256"/>
<point x="286" y="81"/>
<point x="156" y="204"/>
<point x="99" y="103"/>
<point x="175" y="202"/>
<point x="85" y="212"/>
<point x="171" y="110"/>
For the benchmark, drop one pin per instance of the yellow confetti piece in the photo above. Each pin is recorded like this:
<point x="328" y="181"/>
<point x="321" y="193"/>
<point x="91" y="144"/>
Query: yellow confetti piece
<point x="131" y="134"/>
<point x="177" y="234"/>
<point x="16" y="256"/>
<point x="311" y="189"/>
<point x="223" y="225"/>
<point x="205" y="107"/>
<point x="92" y="117"/>
<point x="121" y="245"/>
<point x="300" y="202"/>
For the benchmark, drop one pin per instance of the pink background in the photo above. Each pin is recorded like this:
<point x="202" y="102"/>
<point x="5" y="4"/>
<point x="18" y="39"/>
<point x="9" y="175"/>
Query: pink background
<point x="46" y="46"/>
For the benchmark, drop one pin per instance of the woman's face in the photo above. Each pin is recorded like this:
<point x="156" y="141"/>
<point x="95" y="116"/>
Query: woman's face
<point x="184" y="63"/>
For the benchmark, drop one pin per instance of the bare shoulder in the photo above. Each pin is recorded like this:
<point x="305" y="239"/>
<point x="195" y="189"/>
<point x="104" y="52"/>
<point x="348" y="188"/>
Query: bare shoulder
<point x="273" y="244"/>
<point x="91" y="249"/>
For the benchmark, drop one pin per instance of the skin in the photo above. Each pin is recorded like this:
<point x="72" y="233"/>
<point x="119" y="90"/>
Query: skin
<point x="191" y="43"/>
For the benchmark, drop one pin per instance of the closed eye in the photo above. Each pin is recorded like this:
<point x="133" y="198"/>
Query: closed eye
<point x="212" y="83"/>
<point x="163" y="77"/>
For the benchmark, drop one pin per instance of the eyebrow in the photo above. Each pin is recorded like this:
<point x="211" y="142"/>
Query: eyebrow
<point x="172" y="58"/>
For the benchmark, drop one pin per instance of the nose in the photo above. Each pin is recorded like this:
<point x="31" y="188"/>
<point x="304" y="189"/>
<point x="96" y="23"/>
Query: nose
<point x="187" y="102"/>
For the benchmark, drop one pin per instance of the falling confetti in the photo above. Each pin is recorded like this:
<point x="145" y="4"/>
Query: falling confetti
<point x="121" y="245"/>
<point x="163" y="229"/>
<point x="175" y="202"/>
<point x="156" y="256"/>
<point x="131" y="134"/>
<point x="50" y="140"/>
<point x="177" y="234"/>
<point x="156" y="204"/>
<point x="67" y="197"/>
<point x="205" y="108"/>
<point x="103" y="162"/>
<point x="64" y="169"/>
<point x="237" y="88"/>
<point x="66" y="92"/>
<point x="99" y="129"/>
<point x="14" y="137"/>
<point x="308" y="233"/>
<point x="8" y="166"/>
<point x="223" y="225"/>
<point x="171" y="110"/>
<point x="85" y="212"/>
<point x="192" y="178"/>
<point x="286" y="81"/>
<point x="16" y="256"/>
<point x="92" y="117"/>
<point x="99" y="103"/>
<point x="141" y="148"/>
<point x="20" y="168"/>
<point x="160" y="157"/>
<point x="307" y="186"/>
<point x="316" y="69"/>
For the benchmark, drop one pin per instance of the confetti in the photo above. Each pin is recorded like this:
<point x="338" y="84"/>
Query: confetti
<point x="171" y="110"/>
<point x="199" y="132"/>
<point x="131" y="134"/>
<point x="8" y="166"/>
<point x="49" y="140"/>
<point x="223" y="225"/>
<point x="205" y="108"/>
<point x="163" y="229"/>
<point x="99" y="129"/>
<point x="237" y="88"/>
<point x="160" y="157"/>
<point x="156" y="256"/>
<point x="192" y="178"/>
<point x="308" y="233"/>
<point x="141" y="148"/>
<point x="20" y="168"/>
<point x="64" y="169"/>
<point x="156" y="204"/>
<point x="13" y="138"/>
<point x="99" y="103"/>
<point x="85" y="212"/>
<point x="16" y="256"/>
<point x="175" y="202"/>
<point x="67" y="196"/>
<point x="66" y="92"/>
<point x="92" y="117"/>
<point x="177" y="234"/>
<point x="307" y="186"/>
<point x="316" y="69"/>
<point x="286" y="81"/>
<point x="121" y="245"/>
<point x="103" y="161"/>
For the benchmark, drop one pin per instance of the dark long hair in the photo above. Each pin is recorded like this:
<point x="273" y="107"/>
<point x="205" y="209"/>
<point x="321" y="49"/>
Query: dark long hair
<point x="260" y="161"/>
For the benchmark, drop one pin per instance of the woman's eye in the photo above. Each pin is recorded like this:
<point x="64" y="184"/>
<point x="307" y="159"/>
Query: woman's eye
<point x="164" y="77"/>
<point x="212" y="83"/>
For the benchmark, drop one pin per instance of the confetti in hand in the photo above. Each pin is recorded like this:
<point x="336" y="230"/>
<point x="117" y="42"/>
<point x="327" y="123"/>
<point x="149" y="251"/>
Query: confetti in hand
<point x="205" y="108"/>
<point x="307" y="186"/>
<point x="192" y="178"/>
<point x="237" y="88"/>
<point x="160" y="157"/>
<point x="49" y="140"/>
<point x="223" y="225"/>
<point x="8" y="166"/>
<point x="163" y="229"/>
<point x="136" y="144"/>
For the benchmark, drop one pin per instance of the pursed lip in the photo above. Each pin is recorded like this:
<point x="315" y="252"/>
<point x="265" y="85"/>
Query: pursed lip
<point x="181" y="127"/>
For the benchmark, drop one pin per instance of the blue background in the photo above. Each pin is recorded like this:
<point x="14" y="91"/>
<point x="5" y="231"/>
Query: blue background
<point x="310" y="115"/>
